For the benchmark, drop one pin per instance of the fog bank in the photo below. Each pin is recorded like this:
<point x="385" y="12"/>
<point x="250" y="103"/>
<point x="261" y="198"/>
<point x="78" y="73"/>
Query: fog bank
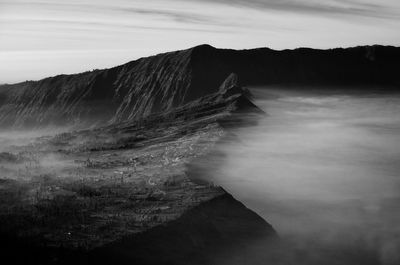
<point x="323" y="169"/>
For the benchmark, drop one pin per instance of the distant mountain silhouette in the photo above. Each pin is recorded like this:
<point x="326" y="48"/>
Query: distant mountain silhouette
<point x="164" y="82"/>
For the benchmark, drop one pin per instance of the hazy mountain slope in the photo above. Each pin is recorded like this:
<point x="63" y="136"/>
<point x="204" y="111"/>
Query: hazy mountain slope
<point x="128" y="91"/>
<point x="165" y="81"/>
<point x="126" y="193"/>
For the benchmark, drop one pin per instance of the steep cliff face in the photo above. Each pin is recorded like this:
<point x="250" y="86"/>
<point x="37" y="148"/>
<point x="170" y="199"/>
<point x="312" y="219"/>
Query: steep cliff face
<point x="163" y="82"/>
<point x="130" y="91"/>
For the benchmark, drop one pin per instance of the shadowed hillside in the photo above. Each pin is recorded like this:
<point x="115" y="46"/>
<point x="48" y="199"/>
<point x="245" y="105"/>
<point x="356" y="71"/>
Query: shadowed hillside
<point x="206" y="234"/>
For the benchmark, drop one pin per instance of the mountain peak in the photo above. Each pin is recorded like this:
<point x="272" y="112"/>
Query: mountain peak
<point x="203" y="47"/>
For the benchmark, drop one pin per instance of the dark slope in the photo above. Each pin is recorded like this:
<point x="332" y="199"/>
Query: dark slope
<point x="206" y="234"/>
<point x="358" y="66"/>
<point x="203" y="235"/>
<point x="163" y="82"/>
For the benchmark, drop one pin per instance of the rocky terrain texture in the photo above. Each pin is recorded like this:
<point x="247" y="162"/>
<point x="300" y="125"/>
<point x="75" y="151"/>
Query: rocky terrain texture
<point x="119" y="193"/>
<point x="160" y="83"/>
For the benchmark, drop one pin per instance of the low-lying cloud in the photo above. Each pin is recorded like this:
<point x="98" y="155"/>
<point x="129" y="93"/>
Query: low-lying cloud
<point x="324" y="171"/>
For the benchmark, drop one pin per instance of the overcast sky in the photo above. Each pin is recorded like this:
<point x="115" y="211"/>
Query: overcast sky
<point x="39" y="38"/>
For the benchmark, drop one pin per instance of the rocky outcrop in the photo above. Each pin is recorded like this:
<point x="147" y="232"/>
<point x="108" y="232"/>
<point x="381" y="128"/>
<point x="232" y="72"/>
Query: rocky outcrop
<point x="161" y="83"/>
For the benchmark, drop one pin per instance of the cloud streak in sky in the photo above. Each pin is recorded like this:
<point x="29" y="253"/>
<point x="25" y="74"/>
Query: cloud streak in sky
<point x="147" y="27"/>
<point x="127" y="9"/>
<point x="333" y="7"/>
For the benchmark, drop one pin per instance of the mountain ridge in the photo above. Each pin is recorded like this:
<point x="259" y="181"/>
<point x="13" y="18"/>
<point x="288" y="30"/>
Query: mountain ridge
<point x="163" y="82"/>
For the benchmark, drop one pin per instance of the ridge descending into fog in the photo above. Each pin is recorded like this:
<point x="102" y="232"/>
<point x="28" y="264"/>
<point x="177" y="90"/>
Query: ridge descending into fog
<point x="163" y="82"/>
